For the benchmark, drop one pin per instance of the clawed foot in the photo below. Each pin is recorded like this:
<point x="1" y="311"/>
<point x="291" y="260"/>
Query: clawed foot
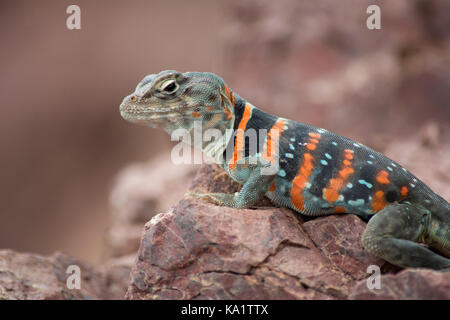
<point x="221" y="199"/>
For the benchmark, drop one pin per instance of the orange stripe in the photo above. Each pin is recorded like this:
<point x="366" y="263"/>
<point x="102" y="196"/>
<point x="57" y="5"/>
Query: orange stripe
<point x="268" y="153"/>
<point x="383" y="177"/>
<point x="339" y="210"/>
<point x="227" y="91"/>
<point x="337" y="183"/>
<point x="229" y="114"/>
<point x="378" y="201"/>
<point x="300" y="180"/>
<point x="404" y="191"/>
<point x="314" y="135"/>
<point x="230" y="96"/>
<point x="304" y="173"/>
<point x="272" y="187"/>
<point x="239" y="144"/>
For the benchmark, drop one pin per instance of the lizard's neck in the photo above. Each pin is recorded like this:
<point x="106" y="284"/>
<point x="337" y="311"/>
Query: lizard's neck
<point x="250" y="128"/>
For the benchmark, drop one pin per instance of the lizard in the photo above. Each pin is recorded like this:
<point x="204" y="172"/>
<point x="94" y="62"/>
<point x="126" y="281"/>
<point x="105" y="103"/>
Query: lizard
<point x="299" y="166"/>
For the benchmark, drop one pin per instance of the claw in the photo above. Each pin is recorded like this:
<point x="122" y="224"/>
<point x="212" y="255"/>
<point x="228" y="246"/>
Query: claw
<point x="203" y="196"/>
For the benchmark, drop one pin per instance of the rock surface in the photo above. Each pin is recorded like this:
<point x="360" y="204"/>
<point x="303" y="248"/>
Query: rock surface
<point x="25" y="276"/>
<point x="141" y="190"/>
<point x="411" y="284"/>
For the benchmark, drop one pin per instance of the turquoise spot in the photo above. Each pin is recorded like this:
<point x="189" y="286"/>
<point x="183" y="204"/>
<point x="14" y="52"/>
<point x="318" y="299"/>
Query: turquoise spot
<point x="371" y="156"/>
<point x="364" y="182"/>
<point x="289" y="155"/>
<point x="334" y="143"/>
<point x="369" y="162"/>
<point x="324" y="162"/>
<point x="293" y="139"/>
<point x="291" y="146"/>
<point x="389" y="168"/>
<point x="349" y="185"/>
<point x="356" y="203"/>
<point x="327" y="156"/>
<point x="282" y="173"/>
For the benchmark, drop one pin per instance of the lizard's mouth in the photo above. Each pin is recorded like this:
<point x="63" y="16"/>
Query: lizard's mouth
<point x="141" y="114"/>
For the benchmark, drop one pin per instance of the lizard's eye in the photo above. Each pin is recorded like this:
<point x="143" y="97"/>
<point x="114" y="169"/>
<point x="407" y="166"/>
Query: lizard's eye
<point x="169" y="86"/>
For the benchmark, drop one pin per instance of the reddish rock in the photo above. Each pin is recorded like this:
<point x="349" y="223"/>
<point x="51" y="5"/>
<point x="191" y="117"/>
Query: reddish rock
<point x="199" y="250"/>
<point x="117" y="272"/>
<point x="415" y="284"/>
<point x="26" y="276"/>
<point x="338" y="237"/>
<point x="141" y="191"/>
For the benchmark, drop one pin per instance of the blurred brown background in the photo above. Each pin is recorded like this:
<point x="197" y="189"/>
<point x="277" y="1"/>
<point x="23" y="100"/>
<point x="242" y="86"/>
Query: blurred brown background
<point x="63" y="140"/>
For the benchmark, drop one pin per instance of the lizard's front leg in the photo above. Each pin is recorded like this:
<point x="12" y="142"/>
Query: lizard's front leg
<point x="251" y="192"/>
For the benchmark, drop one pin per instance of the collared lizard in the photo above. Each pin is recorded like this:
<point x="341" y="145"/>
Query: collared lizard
<point x="308" y="169"/>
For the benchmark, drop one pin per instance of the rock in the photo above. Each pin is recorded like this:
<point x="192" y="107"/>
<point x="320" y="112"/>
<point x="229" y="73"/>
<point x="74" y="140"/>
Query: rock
<point x="142" y="190"/>
<point x="199" y="250"/>
<point x="117" y="271"/>
<point x="27" y="276"/>
<point x="417" y="284"/>
<point x="338" y="238"/>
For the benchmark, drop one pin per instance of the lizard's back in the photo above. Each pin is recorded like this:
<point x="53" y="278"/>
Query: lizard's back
<point x="321" y="172"/>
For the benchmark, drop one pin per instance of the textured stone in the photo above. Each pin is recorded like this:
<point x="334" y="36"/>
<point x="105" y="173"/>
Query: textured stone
<point x="26" y="276"/>
<point x="338" y="237"/>
<point x="199" y="250"/>
<point x="414" y="284"/>
<point x="141" y="191"/>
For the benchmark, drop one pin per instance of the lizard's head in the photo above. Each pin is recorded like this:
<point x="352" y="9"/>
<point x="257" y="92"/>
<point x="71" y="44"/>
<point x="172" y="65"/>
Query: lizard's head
<point x="172" y="100"/>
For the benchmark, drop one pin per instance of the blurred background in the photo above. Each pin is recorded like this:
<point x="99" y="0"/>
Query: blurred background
<point x="64" y="143"/>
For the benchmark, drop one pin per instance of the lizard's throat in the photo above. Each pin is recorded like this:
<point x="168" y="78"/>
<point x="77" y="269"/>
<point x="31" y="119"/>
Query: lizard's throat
<point x="212" y="141"/>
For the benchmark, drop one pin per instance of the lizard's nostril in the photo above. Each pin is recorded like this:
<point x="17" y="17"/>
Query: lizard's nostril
<point x="133" y="98"/>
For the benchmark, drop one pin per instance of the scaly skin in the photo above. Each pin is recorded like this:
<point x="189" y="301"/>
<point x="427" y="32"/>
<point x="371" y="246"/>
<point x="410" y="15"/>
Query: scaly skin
<point x="308" y="169"/>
